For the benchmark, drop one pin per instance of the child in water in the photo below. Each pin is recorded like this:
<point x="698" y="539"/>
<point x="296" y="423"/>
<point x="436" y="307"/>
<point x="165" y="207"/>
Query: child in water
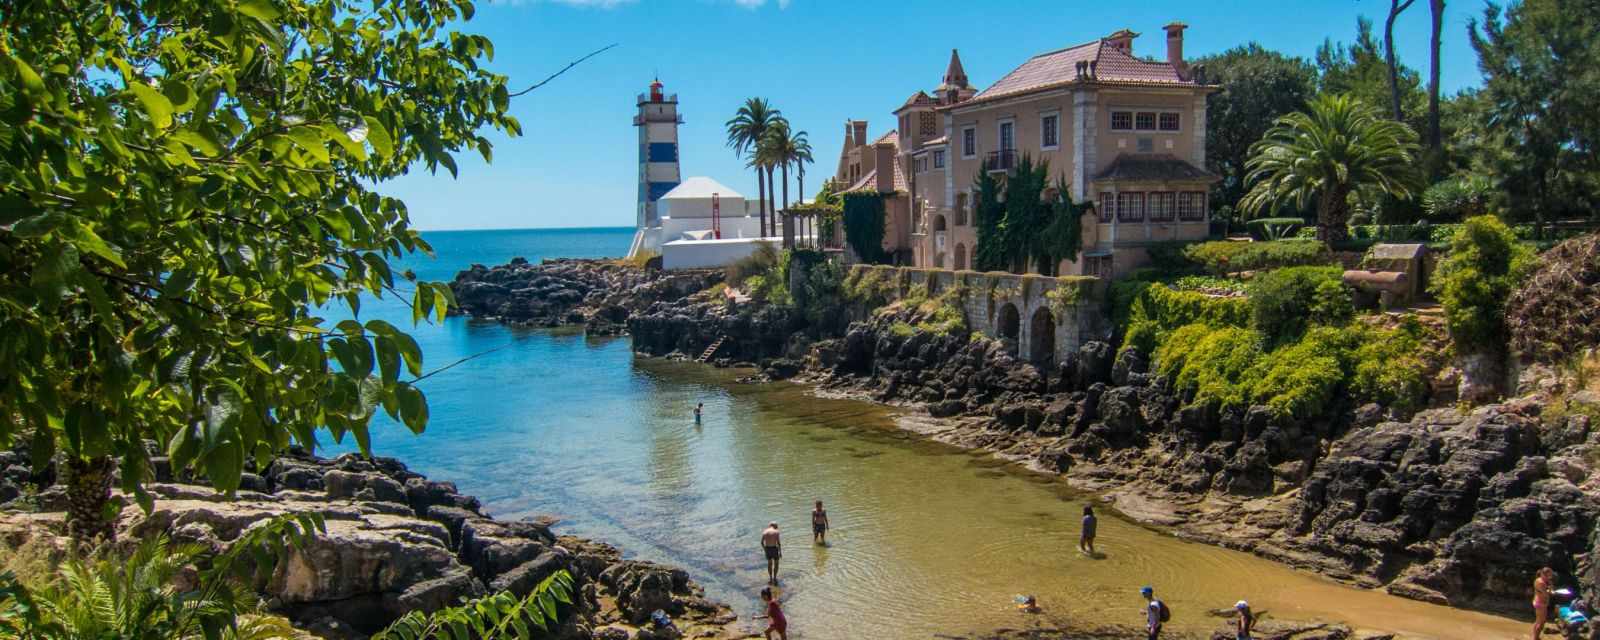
<point x="776" y="622"/>
<point x="697" y="411"/>
<point x="1028" y="604"/>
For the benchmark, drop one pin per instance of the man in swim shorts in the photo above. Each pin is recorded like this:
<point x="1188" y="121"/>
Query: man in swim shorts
<point x="819" y="524"/>
<point x="773" y="548"/>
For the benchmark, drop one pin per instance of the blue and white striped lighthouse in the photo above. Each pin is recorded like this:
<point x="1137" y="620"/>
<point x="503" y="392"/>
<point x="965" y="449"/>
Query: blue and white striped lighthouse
<point x="657" y="122"/>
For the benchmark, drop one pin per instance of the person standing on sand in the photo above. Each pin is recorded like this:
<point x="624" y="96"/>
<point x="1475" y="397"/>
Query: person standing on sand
<point x="776" y="622"/>
<point x="1086" y="540"/>
<point x="819" y="525"/>
<point x="1544" y="580"/>
<point x="1154" y="612"/>
<point x="773" y="548"/>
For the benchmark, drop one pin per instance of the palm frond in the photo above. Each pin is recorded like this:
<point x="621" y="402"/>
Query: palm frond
<point x="493" y="617"/>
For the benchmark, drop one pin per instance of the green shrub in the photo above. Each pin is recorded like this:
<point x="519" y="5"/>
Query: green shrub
<point x="1213" y="363"/>
<point x="902" y="329"/>
<point x="764" y="259"/>
<point x="1154" y="309"/>
<point x="1457" y="198"/>
<point x="1225" y="256"/>
<point x="1169" y="258"/>
<point x="1208" y="283"/>
<point x="1474" y="281"/>
<point x="1301" y="379"/>
<point x="1390" y="367"/>
<point x="1304" y="379"/>
<point x="1283" y="302"/>
<point x="1275" y="228"/>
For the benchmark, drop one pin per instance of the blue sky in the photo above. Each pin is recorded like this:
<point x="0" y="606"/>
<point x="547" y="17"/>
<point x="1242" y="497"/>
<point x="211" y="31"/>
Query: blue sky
<point x="820" y="62"/>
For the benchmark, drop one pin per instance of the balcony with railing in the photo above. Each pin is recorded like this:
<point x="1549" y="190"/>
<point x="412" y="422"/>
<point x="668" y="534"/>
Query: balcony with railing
<point x="1002" y="160"/>
<point x="671" y="97"/>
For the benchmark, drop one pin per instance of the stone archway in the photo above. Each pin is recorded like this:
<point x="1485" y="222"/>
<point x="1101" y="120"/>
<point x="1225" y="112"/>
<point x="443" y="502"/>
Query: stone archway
<point x="961" y="256"/>
<point x="1042" y="336"/>
<point x="1009" y="322"/>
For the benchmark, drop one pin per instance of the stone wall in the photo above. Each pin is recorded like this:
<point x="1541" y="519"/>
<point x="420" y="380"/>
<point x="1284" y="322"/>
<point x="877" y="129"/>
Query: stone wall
<point x="1046" y="317"/>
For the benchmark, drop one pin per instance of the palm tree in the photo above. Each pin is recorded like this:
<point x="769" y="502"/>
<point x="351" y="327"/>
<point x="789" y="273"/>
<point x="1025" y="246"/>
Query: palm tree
<point x="802" y="157"/>
<point x="1340" y="145"/>
<point x="745" y="131"/>
<point x="785" y="148"/>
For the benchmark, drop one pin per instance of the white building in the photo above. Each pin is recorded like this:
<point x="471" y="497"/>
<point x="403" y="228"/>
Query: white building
<point x="703" y="223"/>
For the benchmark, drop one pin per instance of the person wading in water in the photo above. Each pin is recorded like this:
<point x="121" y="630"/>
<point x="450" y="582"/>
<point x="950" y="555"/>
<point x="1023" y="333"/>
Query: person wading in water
<point x="819" y="525"/>
<point x="1245" y="622"/>
<point x="1155" y="613"/>
<point x="697" y="411"/>
<point x="1086" y="540"/>
<point x="773" y="548"/>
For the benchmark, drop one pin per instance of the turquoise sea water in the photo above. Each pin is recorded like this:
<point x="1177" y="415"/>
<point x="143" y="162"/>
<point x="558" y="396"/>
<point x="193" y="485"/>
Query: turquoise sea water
<point x="927" y="539"/>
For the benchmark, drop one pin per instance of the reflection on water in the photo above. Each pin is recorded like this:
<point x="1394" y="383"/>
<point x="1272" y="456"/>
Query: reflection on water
<point x="926" y="538"/>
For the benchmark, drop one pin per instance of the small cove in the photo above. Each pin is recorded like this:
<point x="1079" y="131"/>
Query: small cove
<point x="928" y="538"/>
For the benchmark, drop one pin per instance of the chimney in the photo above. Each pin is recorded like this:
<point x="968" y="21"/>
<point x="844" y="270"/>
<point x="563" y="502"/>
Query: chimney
<point x="885" y="166"/>
<point x="860" y="130"/>
<point x="849" y="135"/>
<point x="1122" y="39"/>
<point x="1175" y="46"/>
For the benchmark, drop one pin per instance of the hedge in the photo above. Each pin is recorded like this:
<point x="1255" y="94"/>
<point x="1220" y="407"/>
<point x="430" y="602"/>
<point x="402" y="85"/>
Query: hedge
<point x="1225" y="256"/>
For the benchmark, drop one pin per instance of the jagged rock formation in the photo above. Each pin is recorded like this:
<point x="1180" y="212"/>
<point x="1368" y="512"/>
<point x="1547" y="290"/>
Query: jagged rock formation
<point x="398" y="542"/>
<point x="599" y="293"/>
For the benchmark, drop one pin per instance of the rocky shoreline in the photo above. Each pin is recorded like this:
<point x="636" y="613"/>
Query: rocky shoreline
<point x="1443" y="506"/>
<point x="395" y="542"/>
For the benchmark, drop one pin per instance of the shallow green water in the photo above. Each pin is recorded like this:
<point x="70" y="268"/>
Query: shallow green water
<point x="927" y="539"/>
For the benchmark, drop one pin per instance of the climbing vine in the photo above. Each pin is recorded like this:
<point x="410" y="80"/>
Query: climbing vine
<point x="1027" y="227"/>
<point x="864" y="225"/>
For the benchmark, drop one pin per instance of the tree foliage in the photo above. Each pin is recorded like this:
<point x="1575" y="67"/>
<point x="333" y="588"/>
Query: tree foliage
<point x="746" y="129"/>
<point x="1258" y="87"/>
<point x="1324" y="155"/>
<point x="1036" y="225"/>
<point x="184" y="186"/>
<point x="864" y="221"/>
<point x="1474" y="281"/>
<point x="1541" y="82"/>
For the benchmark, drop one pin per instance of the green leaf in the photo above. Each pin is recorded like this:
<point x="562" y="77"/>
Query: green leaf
<point x="157" y="106"/>
<point x="39" y="225"/>
<point x="309" y="139"/>
<point x="205" y="145"/>
<point x="224" y="465"/>
<point x="91" y="243"/>
<point x="378" y="135"/>
<point x="42" y="447"/>
<point x="411" y="352"/>
<point x="388" y="360"/>
<point x="31" y="82"/>
<point x="259" y="9"/>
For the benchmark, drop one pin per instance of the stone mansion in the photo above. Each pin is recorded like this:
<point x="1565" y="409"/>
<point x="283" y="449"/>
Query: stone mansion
<point x="1128" y="133"/>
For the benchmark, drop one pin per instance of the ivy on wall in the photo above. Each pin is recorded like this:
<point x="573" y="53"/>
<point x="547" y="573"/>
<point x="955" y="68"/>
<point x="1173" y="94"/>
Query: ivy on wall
<point x="864" y="225"/>
<point x="1025" y="227"/>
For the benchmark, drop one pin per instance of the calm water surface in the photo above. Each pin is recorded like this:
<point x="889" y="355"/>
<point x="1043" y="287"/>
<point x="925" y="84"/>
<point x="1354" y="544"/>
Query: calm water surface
<point x="927" y="539"/>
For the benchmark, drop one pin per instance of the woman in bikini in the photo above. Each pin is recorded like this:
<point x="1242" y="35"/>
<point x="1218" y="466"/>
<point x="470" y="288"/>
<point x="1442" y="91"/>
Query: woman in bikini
<point x="1543" y="582"/>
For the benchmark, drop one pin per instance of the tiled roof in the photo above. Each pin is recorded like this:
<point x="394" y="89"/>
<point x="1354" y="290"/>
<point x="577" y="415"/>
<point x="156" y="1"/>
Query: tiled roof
<point x="1153" y="167"/>
<point x="1060" y="67"/>
<point x="917" y="98"/>
<point x="869" y="182"/>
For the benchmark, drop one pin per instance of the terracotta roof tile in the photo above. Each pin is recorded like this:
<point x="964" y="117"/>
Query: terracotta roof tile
<point x="1060" y="67"/>
<point x="1153" y="167"/>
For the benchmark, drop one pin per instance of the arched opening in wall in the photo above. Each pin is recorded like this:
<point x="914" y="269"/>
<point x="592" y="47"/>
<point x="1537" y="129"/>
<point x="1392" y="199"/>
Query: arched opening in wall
<point x="1010" y="324"/>
<point x="1042" y="335"/>
<point x="939" y="241"/>
<point x="961" y="256"/>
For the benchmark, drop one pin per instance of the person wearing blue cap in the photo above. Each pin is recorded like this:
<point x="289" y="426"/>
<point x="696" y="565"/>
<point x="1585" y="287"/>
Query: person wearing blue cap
<point x="1156" y="612"/>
